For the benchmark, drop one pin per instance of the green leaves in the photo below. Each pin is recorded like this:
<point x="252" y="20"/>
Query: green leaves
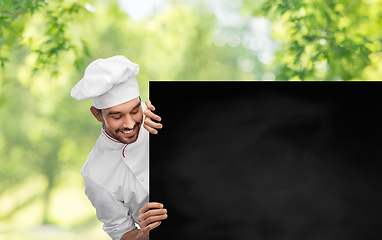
<point x="51" y="38"/>
<point x="10" y="12"/>
<point x="57" y="39"/>
<point x="336" y="29"/>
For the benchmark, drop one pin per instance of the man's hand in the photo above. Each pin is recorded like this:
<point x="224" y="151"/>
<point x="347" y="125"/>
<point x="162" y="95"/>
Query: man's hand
<point x="150" y="216"/>
<point x="149" y="124"/>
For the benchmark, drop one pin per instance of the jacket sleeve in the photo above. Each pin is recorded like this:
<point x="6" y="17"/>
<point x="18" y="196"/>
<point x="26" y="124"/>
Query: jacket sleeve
<point x="116" y="218"/>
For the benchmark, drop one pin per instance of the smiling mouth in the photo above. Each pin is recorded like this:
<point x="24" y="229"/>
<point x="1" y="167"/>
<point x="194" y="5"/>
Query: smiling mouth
<point x="129" y="133"/>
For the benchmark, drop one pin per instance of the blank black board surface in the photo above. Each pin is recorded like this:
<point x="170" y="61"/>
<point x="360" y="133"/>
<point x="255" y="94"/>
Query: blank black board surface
<point x="267" y="160"/>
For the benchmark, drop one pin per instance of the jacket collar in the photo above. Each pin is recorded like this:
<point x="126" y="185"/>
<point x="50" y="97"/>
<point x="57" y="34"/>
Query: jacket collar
<point x="111" y="142"/>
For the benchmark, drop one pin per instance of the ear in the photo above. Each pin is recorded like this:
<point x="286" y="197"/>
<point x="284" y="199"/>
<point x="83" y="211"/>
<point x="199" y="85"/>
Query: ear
<point x="95" y="113"/>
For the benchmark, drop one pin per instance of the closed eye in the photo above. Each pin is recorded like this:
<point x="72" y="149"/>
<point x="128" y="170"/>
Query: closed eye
<point x="135" y="110"/>
<point x="116" y="116"/>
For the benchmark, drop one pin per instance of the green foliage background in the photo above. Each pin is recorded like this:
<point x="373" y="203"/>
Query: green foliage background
<point x="45" y="136"/>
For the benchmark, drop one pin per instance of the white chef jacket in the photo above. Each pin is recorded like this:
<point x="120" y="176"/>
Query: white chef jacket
<point x="116" y="177"/>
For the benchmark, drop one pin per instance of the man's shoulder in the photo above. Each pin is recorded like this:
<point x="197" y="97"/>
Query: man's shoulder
<point x="100" y="162"/>
<point x="93" y="159"/>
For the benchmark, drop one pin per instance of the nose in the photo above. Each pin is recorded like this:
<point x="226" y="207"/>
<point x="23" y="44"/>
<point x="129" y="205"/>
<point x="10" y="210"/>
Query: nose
<point x="128" y="122"/>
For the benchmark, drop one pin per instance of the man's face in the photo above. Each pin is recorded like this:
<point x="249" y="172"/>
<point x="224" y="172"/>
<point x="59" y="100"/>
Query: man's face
<point x="122" y="122"/>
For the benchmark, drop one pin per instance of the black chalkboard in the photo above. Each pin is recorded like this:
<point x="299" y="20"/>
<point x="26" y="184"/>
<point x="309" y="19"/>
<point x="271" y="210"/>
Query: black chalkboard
<point x="267" y="160"/>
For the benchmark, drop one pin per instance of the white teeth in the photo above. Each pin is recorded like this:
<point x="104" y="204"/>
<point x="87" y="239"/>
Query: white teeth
<point x="127" y="132"/>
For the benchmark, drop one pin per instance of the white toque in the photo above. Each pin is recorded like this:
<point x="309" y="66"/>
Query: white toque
<point x="108" y="82"/>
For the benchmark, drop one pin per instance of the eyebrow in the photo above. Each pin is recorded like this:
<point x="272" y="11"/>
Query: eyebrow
<point x="114" y="113"/>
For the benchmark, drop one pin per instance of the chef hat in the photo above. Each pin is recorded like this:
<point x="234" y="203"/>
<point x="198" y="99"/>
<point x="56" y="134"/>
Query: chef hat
<point x="108" y="82"/>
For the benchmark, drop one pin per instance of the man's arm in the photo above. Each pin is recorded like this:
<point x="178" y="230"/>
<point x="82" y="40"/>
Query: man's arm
<point x="150" y="217"/>
<point x="109" y="210"/>
<point x="136" y="234"/>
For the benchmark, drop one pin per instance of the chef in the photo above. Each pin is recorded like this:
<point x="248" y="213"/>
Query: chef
<point x="116" y="173"/>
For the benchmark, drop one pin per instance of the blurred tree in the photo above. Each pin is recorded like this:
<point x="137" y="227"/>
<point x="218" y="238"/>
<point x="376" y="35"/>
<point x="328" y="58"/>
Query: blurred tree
<point x="325" y="40"/>
<point x="35" y="35"/>
<point x="51" y="37"/>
